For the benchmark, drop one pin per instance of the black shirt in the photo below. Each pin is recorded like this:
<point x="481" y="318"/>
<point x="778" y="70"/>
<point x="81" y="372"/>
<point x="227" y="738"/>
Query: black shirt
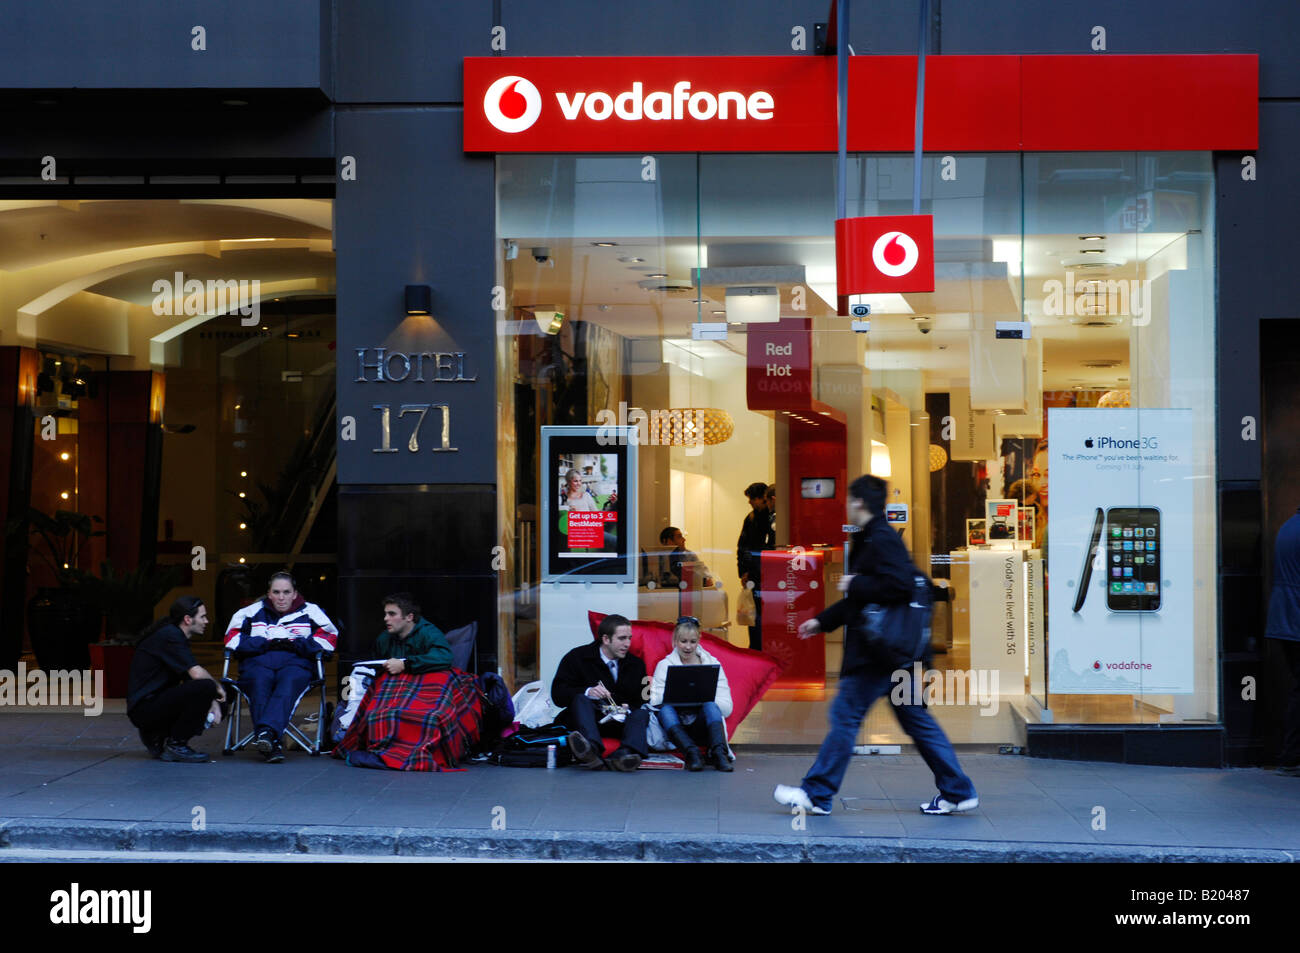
<point x="161" y="660"/>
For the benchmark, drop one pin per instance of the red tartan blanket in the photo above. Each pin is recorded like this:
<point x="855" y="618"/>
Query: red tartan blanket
<point x="416" y="722"/>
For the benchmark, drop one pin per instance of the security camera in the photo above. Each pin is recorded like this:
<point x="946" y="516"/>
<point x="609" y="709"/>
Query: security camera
<point x="541" y="255"/>
<point x="924" y="325"/>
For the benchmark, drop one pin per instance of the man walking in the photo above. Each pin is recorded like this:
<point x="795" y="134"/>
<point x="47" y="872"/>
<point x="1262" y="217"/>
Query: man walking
<point x="880" y="572"/>
<point x="1284" y="626"/>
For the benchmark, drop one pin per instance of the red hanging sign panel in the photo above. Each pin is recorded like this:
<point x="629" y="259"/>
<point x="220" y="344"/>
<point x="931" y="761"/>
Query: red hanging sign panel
<point x="884" y="254"/>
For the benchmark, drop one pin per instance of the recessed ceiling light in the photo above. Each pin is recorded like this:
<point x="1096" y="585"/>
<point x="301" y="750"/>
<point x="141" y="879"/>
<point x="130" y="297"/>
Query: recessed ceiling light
<point x="1092" y="251"/>
<point x="699" y="300"/>
<point x="630" y="259"/>
<point x="719" y="312"/>
<point x="657" y="275"/>
<point x="604" y="244"/>
<point x="1092" y="238"/>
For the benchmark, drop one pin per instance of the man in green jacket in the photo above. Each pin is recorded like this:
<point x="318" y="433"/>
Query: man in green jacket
<point x="411" y="643"/>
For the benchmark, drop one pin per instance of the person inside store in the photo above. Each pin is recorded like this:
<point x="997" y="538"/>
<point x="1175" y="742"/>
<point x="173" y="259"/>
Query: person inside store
<point x="756" y="535"/>
<point x="680" y="556"/>
<point x="1284" y="628"/>
<point x="601" y="684"/>
<point x="170" y="697"/>
<point x="277" y="640"/>
<point x="705" y="725"/>
<point x="880" y="572"/>
<point x="771" y="508"/>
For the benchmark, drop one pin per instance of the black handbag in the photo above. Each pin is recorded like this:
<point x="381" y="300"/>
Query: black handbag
<point x="897" y="635"/>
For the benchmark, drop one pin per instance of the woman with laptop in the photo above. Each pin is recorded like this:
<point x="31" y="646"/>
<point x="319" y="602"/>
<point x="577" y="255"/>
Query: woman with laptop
<point x="690" y="692"/>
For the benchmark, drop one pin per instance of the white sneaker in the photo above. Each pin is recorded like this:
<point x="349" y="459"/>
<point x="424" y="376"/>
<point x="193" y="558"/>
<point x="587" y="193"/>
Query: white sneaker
<point x="797" y="797"/>
<point x="939" y="805"/>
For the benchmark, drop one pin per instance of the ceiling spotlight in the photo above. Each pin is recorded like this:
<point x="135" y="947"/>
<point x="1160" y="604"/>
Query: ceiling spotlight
<point x="1092" y="251"/>
<point x="631" y="260"/>
<point x="1092" y="238"/>
<point x="605" y="244"/>
<point x="64" y="455"/>
<point x="657" y="275"/>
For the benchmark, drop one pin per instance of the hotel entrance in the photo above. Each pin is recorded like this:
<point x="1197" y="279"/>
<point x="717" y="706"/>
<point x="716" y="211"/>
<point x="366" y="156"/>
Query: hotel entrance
<point x="175" y="427"/>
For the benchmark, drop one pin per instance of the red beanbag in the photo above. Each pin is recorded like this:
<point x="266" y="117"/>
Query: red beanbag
<point x="749" y="673"/>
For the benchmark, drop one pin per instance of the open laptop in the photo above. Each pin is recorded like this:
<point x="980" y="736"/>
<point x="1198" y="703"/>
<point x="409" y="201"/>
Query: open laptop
<point x="691" y="684"/>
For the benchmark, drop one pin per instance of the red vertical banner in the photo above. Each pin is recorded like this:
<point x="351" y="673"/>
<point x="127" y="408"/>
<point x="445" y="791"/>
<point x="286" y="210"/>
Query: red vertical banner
<point x="793" y="593"/>
<point x="778" y="373"/>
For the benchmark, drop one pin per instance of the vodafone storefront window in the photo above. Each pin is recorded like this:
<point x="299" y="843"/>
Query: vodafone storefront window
<point x="706" y="304"/>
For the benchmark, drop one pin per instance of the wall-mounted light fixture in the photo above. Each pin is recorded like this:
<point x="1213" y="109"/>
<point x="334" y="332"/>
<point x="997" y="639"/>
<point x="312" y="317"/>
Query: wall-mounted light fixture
<point x="419" y="299"/>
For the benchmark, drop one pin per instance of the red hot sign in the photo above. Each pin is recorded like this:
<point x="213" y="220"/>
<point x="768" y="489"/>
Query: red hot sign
<point x="779" y="365"/>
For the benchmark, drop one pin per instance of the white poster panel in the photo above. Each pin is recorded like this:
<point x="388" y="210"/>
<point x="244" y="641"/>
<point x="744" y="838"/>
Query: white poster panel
<point x="1120" y="611"/>
<point x="997" y="617"/>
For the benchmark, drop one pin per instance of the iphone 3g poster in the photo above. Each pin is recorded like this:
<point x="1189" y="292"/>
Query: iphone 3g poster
<point x="1120" y="550"/>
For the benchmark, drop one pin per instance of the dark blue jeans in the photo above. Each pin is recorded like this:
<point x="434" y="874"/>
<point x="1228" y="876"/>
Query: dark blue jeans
<point x="273" y="681"/>
<point x="698" y="730"/>
<point x="857" y="693"/>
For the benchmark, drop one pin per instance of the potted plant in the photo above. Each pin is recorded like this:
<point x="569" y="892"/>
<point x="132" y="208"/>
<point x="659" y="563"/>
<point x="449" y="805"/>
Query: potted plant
<point x="60" y="619"/>
<point x="127" y="600"/>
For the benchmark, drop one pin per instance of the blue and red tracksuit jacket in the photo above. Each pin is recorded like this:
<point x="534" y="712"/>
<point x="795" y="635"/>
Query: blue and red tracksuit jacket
<point x="258" y="628"/>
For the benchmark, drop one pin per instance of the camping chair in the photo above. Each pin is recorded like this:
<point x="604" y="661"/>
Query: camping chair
<point x="236" y="742"/>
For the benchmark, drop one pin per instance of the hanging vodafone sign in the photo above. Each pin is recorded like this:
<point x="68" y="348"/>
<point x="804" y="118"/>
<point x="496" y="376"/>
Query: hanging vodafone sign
<point x="996" y="103"/>
<point x="883" y="254"/>
<point x="661" y="104"/>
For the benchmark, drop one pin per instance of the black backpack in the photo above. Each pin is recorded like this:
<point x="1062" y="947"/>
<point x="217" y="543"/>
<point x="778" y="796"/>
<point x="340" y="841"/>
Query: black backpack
<point x="527" y="747"/>
<point x="498" y="710"/>
<point x="895" y="636"/>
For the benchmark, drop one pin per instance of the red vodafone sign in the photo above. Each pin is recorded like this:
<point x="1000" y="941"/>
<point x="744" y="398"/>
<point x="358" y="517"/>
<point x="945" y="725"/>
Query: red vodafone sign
<point x="663" y="104"/>
<point x="884" y="253"/>
<point x="994" y="103"/>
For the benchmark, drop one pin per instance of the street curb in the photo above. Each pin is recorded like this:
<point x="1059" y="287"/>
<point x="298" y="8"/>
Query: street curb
<point x="59" y="834"/>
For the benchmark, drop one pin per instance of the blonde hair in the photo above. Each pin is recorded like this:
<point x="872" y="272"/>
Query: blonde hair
<point x="688" y="626"/>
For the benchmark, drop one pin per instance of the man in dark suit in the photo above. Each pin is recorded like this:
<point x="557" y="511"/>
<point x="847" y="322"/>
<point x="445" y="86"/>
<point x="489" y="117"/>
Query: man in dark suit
<point x="592" y="677"/>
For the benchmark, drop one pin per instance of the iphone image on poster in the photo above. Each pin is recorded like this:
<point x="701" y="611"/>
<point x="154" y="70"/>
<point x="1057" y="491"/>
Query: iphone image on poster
<point x="1133" y="560"/>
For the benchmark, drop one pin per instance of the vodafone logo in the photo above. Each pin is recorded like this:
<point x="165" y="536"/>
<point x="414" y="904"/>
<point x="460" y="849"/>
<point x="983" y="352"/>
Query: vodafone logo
<point x="895" y="254"/>
<point x="512" y="104"/>
<point x="883" y="254"/>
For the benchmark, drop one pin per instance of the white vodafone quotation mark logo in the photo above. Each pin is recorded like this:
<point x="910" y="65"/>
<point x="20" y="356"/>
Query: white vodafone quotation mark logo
<point x="895" y="254"/>
<point x="512" y="104"/>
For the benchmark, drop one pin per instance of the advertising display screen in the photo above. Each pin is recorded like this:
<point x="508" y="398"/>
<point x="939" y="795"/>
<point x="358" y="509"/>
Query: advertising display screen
<point x="587" y="489"/>
<point x="817" y="488"/>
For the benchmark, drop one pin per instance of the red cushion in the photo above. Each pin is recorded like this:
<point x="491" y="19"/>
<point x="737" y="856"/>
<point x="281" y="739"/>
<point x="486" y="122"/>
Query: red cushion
<point x="749" y="673"/>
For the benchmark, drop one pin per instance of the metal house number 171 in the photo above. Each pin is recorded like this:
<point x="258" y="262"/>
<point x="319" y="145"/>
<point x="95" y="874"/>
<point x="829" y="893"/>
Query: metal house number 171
<point x="413" y="443"/>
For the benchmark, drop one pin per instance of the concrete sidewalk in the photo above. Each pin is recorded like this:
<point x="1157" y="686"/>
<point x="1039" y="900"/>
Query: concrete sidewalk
<point x="68" y="782"/>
